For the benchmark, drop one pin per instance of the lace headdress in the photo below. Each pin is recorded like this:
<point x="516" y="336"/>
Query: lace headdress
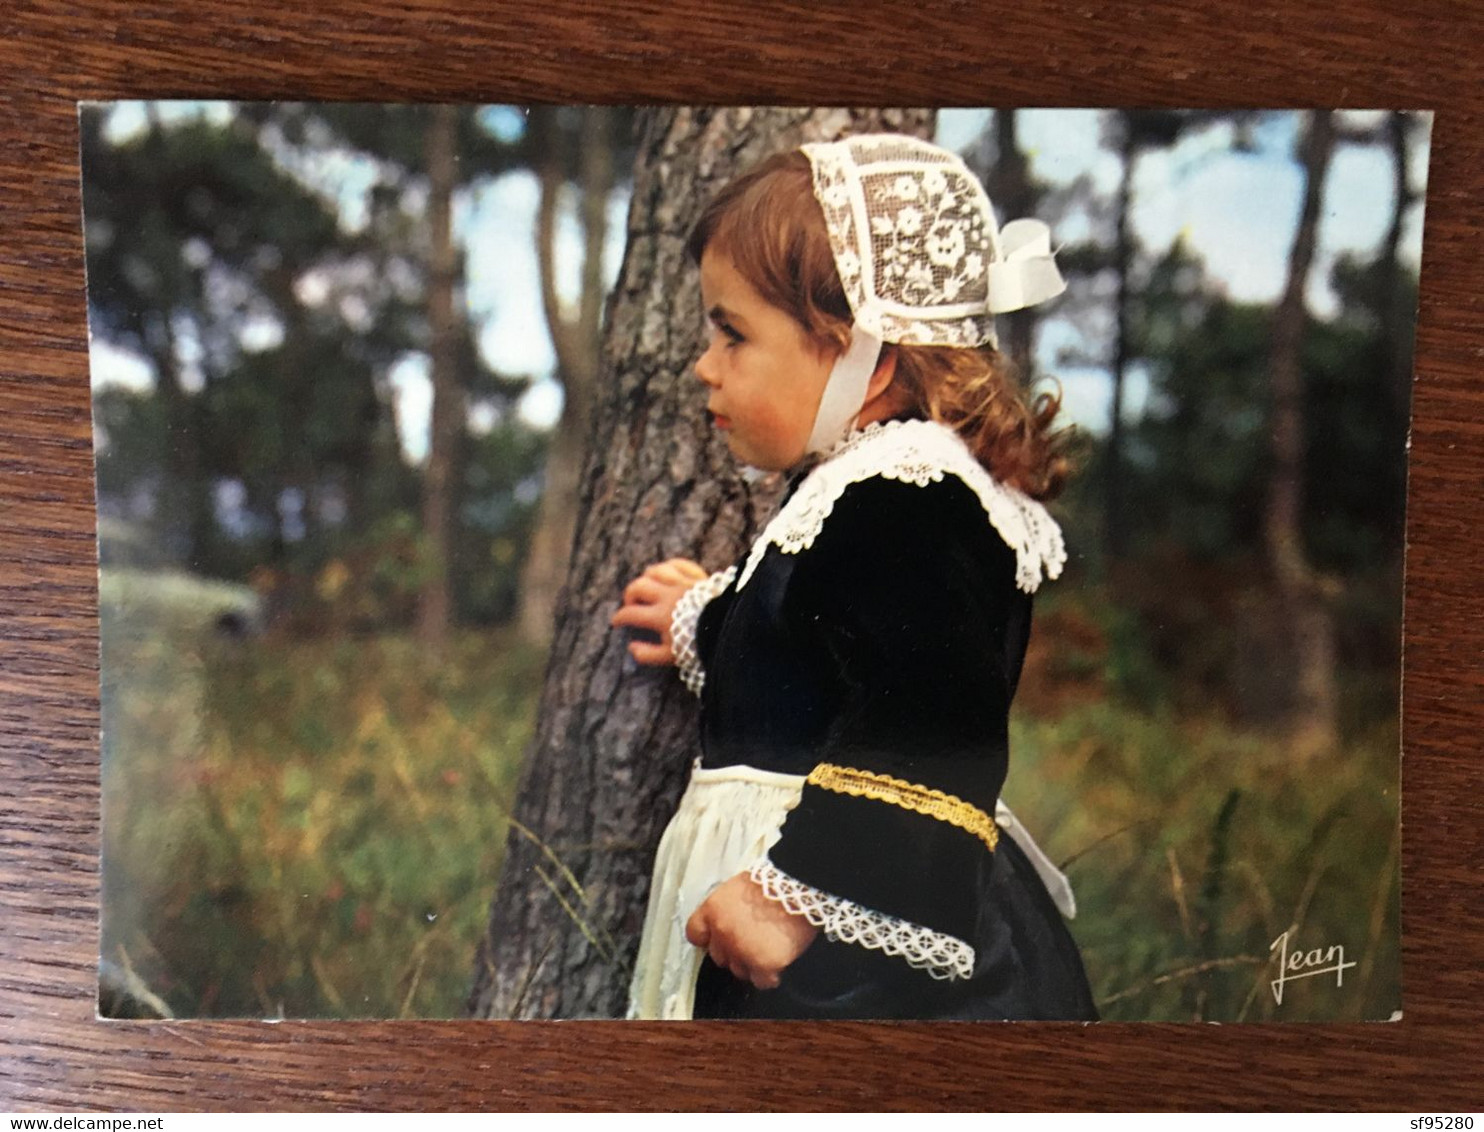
<point x="920" y="257"/>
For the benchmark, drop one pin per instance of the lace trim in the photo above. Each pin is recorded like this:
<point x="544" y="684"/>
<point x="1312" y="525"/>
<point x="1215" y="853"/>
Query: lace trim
<point x="844" y="921"/>
<point x="912" y="235"/>
<point x="909" y="796"/>
<point x="683" y="626"/>
<point x="916" y="452"/>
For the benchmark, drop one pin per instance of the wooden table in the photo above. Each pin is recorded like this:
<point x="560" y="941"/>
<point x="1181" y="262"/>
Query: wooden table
<point x="1365" y="53"/>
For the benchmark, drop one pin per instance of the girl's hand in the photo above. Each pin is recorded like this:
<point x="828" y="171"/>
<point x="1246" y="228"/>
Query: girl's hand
<point x="649" y="603"/>
<point x="753" y="937"/>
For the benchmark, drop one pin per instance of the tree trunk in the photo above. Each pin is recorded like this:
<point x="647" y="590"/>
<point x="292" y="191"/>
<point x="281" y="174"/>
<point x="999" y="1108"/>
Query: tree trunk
<point x="1113" y="529"/>
<point x="1307" y="634"/>
<point x="185" y="516"/>
<point x="576" y="341"/>
<point x="1013" y="196"/>
<point x="1397" y="313"/>
<point x="614" y="740"/>
<point x="434" y="600"/>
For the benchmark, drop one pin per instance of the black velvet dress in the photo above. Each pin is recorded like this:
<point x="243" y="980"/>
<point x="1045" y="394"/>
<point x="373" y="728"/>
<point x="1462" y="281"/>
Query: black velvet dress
<point x="881" y="660"/>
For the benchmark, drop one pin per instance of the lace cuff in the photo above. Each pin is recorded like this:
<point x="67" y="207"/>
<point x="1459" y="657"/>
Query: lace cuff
<point x="683" y="626"/>
<point x="844" y="921"/>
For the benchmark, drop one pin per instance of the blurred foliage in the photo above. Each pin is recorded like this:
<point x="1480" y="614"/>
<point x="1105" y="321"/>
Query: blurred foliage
<point x="1197" y="461"/>
<point x="501" y="493"/>
<point x="1187" y="610"/>
<point x="302" y="828"/>
<point x="271" y="304"/>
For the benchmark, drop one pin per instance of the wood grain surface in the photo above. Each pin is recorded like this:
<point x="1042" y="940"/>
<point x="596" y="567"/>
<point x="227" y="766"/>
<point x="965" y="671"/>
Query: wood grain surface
<point x="1364" y="53"/>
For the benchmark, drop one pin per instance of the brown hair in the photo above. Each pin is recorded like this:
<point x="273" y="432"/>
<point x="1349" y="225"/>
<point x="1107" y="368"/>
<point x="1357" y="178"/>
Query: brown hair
<point x="768" y="223"/>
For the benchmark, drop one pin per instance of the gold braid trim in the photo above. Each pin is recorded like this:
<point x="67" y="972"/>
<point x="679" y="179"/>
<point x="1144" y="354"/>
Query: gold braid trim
<point x="908" y="795"/>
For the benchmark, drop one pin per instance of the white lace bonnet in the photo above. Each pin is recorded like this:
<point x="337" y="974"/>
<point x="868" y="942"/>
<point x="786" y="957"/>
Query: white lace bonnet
<point x="920" y="257"/>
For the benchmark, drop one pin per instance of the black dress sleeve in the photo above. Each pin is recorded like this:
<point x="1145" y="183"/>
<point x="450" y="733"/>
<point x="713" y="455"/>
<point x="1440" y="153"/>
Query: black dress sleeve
<point x="909" y="595"/>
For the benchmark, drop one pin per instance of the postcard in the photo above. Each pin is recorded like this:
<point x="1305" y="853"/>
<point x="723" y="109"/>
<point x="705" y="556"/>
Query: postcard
<point x="737" y="562"/>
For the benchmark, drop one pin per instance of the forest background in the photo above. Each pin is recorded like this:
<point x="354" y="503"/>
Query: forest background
<point x="339" y="470"/>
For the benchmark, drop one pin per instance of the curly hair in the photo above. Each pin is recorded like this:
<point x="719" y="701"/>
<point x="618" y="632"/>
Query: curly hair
<point x="768" y="223"/>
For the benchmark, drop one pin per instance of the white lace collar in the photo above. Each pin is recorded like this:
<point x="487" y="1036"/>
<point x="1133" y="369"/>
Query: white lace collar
<point x="916" y="452"/>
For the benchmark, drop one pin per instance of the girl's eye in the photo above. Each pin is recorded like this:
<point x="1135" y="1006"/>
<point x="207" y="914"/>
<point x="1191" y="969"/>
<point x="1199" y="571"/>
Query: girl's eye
<point x="727" y="331"/>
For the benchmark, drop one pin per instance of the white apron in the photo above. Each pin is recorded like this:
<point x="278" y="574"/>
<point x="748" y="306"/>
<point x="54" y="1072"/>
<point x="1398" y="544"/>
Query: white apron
<point x="728" y="819"/>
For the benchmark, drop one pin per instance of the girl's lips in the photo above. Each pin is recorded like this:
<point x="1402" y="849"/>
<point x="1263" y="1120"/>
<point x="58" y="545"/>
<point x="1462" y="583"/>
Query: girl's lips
<point x="721" y="421"/>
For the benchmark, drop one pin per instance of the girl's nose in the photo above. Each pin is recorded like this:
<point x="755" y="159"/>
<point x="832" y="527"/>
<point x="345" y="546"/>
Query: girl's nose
<point x="706" y="364"/>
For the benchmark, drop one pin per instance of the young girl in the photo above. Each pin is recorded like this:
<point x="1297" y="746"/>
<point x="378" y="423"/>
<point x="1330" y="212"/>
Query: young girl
<point x="841" y="851"/>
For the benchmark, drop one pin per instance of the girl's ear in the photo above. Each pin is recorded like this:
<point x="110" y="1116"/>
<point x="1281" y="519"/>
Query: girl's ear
<point x="881" y="377"/>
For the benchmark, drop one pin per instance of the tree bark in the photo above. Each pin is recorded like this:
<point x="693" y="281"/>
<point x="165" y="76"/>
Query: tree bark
<point x="1113" y="529"/>
<point x="434" y="601"/>
<point x="614" y="740"/>
<point x="576" y="340"/>
<point x="185" y="510"/>
<point x="1312" y="712"/>
<point x="1014" y="196"/>
<point x="1397" y="313"/>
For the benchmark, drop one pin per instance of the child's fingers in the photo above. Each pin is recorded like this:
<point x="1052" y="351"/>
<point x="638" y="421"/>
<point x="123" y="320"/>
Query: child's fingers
<point x="723" y="956"/>
<point x="646" y="653"/>
<point x="666" y="573"/>
<point x="698" y="928"/>
<point x="648" y="617"/>
<point x="645" y="590"/>
<point x="680" y="571"/>
<point x="732" y="946"/>
<point x="698" y="931"/>
<point x="675" y="573"/>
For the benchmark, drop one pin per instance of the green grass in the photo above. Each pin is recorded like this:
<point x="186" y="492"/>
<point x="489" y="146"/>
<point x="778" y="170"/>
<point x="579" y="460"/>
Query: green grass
<point x="1191" y="846"/>
<point x="305" y="829"/>
<point x="312" y="828"/>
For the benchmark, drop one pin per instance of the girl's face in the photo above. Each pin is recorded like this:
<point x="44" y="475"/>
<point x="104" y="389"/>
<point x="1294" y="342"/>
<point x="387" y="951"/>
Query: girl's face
<point x="764" y="374"/>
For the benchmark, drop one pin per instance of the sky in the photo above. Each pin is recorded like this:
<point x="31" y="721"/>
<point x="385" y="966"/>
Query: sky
<point x="1238" y="211"/>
